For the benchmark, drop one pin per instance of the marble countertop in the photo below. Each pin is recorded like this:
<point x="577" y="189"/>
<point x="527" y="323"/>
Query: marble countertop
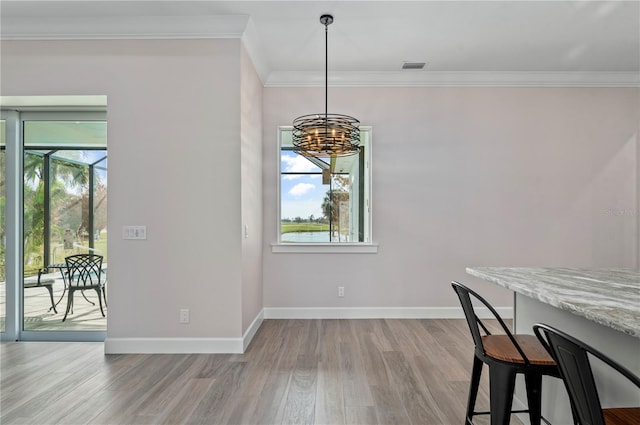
<point x="610" y="297"/>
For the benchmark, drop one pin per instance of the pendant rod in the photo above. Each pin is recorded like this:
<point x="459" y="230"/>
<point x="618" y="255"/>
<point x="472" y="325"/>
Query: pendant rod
<point x="326" y="70"/>
<point x="326" y="20"/>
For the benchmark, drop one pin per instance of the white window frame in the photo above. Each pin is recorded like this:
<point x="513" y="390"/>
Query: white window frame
<point x="329" y="247"/>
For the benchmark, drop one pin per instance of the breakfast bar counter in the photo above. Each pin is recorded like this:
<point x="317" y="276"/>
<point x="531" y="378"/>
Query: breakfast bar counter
<point x="609" y="297"/>
<point x="600" y="307"/>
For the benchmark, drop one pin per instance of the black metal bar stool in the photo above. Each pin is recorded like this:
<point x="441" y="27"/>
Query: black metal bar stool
<point x="506" y="355"/>
<point x="572" y="357"/>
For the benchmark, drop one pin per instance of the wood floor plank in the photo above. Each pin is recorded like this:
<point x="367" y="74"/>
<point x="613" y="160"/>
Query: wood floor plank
<point x="300" y="405"/>
<point x="330" y="372"/>
<point x="165" y="390"/>
<point x="329" y="406"/>
<point x="416" y="400"/>
<point x="258" y="365"/>
<point x="271" y="402"/>
<point x="186" y="401"/>
<point x="374" y="365"/>
<point x="136" y="388"/>
<point x="82" y="400"/>
<point x="216" y="400"/>
<point x="388" y="406"/>
<point x="329" y="399"/>
<point x="356" y="389"/>
<point x="44" y="385"/>
<point x="359" y="415"/>
<point x="384" y="335"/>
<point x="448" y="396"/>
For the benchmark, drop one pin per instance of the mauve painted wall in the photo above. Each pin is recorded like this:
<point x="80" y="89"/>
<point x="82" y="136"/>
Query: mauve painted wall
<point x="467" y="177"/>
<point x="462" y="176"/>
<point x="251" y="166"/>
<point x="174" y="155"/>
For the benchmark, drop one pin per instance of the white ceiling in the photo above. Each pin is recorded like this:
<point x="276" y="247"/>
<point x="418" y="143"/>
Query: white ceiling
<point x="463" y="43"/>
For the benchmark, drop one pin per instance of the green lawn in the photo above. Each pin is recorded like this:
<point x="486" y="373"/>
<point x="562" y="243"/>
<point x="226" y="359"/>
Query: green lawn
<point x="101" y="245"/>
<point x="303" y="227"/>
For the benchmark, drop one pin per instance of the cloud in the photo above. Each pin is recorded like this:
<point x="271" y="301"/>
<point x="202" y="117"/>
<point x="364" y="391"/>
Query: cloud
<point x="297" y="164"/>
<point x="301" y="188"/>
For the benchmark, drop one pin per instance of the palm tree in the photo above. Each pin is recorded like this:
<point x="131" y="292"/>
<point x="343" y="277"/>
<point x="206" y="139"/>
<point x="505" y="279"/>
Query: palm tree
<point x="69" y="180"/>
<point x="331" y="208"/>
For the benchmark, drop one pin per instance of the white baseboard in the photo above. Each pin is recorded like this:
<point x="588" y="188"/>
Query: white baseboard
<point x="251" y="330"/>
<point x="184" y="345"/>
<point x="379" y="312"/>
<point x="172" y="345"/>
<point x="239" y="345"/>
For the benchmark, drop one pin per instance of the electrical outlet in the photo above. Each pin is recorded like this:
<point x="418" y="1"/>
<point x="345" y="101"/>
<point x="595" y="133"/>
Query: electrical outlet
<point x="341" y="291"/>
<point x="184" y="315"/>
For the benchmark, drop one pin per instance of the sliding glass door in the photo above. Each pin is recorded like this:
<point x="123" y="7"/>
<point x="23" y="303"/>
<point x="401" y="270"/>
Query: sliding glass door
<point x="63" y="193"/>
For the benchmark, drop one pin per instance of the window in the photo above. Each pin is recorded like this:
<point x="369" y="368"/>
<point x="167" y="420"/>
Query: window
<point x="324" y="201"/>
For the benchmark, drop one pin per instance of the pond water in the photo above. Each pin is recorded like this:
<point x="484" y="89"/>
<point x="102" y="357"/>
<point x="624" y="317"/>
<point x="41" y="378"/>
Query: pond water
<point x="302" y="237"/>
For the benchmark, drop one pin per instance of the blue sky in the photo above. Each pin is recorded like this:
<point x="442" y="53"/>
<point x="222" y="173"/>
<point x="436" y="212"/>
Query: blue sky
<point x="301" y="195"/>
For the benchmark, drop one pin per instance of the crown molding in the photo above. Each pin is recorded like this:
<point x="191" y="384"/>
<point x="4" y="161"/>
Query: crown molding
<point x="124" y="27"/>
<point x="454" y="79"/>
<point x="241" y="27"/>
<point x="253" y="44"/>
<point x="141" y="27"/>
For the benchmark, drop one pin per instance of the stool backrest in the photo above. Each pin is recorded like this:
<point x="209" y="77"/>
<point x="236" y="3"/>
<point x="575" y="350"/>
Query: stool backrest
<point x="475" y="324"/>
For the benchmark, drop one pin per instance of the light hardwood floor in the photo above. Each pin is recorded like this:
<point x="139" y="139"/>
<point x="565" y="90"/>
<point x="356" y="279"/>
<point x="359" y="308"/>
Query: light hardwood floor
<point x="294" y="372"/>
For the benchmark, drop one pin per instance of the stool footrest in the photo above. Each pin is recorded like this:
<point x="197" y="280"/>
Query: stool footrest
<point x="542" y="418"/>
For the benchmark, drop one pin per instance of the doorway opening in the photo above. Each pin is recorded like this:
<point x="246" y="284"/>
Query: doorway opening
<point x="56" y="168"/>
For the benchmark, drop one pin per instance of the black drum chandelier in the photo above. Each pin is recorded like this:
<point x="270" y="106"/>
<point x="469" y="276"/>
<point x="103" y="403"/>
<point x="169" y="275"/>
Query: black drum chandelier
<point x="326" y="135"/>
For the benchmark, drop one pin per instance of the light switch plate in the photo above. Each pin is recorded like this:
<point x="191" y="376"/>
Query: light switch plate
<point x="134" y="232"/>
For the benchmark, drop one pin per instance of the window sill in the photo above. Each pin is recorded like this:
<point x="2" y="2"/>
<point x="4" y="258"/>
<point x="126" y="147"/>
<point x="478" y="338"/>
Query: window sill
<point x="324" y="248"/>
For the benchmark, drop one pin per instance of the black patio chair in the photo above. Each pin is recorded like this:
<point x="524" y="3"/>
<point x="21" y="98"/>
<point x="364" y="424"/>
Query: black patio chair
<point x="84" y="271"/>
<point x="506" y="355"/>
<point x="572" y="357"/>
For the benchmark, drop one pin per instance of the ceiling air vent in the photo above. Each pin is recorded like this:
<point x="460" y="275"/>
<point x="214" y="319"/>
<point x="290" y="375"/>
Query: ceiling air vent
<point x="413" y="65"/>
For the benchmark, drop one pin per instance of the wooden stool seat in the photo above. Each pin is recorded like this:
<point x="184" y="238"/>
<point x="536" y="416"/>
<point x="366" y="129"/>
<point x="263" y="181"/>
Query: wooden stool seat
<point x="500" y="347"/>
<point x="621" y="415"/>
